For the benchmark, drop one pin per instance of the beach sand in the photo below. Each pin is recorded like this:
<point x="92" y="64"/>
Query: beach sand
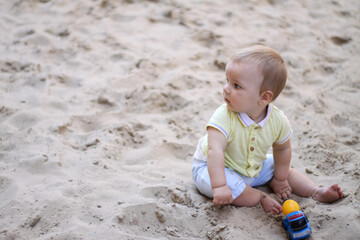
<point x="102" y="104"/>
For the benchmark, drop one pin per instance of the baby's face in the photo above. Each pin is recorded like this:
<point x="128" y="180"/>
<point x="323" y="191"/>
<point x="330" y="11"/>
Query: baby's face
<point x="242" y="89"/>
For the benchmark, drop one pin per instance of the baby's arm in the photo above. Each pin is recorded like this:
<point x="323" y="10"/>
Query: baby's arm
<point x="282" y="157"/>
<point x="216" y="166"/>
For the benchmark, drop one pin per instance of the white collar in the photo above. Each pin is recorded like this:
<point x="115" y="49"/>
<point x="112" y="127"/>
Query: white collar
<point x="247" y="121"/>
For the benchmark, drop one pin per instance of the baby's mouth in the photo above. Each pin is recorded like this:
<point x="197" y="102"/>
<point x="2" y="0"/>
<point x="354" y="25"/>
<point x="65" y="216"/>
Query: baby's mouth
<point x="225" y="98"/>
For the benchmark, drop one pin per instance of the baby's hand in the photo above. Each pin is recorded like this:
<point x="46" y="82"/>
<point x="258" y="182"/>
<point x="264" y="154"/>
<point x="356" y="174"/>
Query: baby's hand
<point x="222" y="195"/>
<point x="281" y="188"/>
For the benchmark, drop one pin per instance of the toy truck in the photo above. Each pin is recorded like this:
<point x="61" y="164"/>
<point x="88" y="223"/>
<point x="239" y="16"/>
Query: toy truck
<point x="295" y="223"/>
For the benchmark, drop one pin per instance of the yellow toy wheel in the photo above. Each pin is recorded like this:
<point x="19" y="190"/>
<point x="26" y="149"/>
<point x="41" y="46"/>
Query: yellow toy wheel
<point x="290" y="206"/>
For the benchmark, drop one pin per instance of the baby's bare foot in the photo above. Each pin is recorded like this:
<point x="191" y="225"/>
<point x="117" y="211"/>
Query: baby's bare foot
<point x="328" y="194"/>
<point x="270" y="205"/>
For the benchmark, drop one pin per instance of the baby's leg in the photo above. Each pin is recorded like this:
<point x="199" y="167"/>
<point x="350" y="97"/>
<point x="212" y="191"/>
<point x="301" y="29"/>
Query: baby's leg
<point x="304" y="187"/>
<point x="251" y="197"/>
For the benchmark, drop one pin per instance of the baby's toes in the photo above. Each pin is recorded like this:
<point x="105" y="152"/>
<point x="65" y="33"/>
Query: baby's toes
<point x="275" y="211"/>
<point x="278" y="207"/>
<point x="340" y="192"/>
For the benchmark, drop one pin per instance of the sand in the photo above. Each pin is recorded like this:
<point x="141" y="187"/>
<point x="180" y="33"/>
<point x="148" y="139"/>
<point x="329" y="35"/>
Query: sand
<point x="102" y="104"/>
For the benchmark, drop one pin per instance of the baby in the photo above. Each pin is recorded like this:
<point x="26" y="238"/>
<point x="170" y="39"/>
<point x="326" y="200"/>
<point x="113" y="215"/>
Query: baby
<point x="231" y="159"/>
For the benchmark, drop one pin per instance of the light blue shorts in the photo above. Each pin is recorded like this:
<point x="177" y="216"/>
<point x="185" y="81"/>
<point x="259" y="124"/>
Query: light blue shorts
<point x="235" y="181"/>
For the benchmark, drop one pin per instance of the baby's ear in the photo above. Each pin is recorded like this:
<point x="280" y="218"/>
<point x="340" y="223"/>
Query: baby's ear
<point x="266" y="96"/>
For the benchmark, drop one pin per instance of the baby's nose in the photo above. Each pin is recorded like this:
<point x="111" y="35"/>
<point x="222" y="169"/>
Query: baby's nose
<point x="226" y="88"/>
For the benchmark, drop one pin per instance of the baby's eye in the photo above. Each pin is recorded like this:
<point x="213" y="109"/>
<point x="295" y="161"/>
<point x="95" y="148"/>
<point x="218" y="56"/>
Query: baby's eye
<point x="236" y="86"/>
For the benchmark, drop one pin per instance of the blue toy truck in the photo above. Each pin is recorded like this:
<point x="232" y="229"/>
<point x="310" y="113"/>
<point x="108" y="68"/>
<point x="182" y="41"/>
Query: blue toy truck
<point x="295" y="223"/>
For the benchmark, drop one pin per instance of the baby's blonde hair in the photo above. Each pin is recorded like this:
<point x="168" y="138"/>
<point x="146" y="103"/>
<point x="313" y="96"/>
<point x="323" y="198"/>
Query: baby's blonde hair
<point x="271" y="65"/>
